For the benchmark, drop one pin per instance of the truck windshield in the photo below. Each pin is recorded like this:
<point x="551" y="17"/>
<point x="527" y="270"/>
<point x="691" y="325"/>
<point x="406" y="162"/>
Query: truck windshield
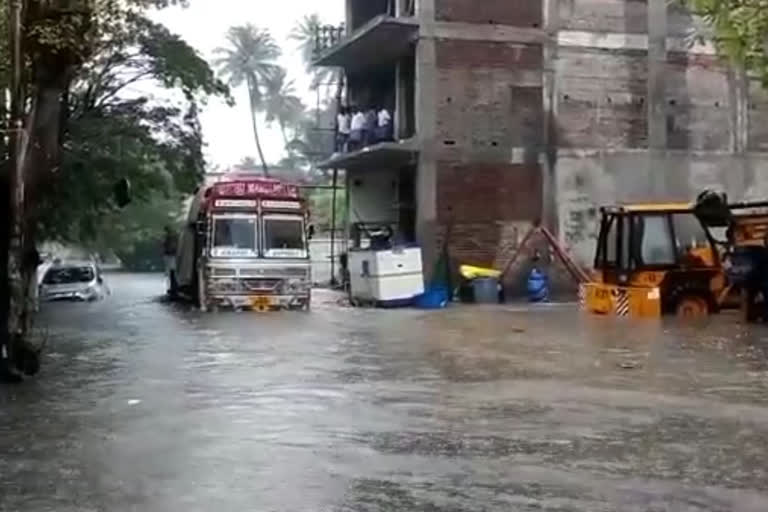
<point x="234" y="236"/>
<point x="284" y="237"/>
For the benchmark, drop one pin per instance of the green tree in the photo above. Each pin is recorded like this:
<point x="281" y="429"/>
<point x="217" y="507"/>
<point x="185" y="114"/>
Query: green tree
<point x="314" y="138"/>
<point x="740" y="31"/>
<point x="304" y="33"/>
<point x="249" y="59"/>
<point x="281" y="103"/>
<point x="156" y="145"/>
<point x="72" y="115"/>
<point x="321" y="203"/>
<point x="135" y="234"/>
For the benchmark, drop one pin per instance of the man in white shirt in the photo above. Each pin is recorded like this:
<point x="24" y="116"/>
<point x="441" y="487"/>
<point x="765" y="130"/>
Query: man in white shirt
<point x="371" y="121"/>
<point x="384" y="128"/>
<point x="343" y="128"/>
<point x="357" y="130"/>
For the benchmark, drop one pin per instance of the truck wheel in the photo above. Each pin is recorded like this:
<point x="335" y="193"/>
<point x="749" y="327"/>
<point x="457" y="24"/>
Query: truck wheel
<point x="173" y="291"/>
<point x="202" y="298"/>
<point x="692" y="306"/>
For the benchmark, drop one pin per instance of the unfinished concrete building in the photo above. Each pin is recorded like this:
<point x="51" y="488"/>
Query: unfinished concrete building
<point x="511" y="111"/>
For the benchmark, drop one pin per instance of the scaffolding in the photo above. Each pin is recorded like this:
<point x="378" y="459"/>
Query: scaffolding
<point x="326" y="37"/>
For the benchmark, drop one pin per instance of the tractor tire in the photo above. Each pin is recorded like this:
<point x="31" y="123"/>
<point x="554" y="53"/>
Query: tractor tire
<point x="692" y="307"/>
<point x="691" y="302"/>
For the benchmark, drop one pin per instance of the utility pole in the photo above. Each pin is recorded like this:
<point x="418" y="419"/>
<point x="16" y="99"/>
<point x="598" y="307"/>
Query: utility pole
<point x="16" y="181"/>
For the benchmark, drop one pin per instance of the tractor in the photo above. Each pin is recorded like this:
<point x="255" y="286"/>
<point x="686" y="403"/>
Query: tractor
<point x="685" y="259"/>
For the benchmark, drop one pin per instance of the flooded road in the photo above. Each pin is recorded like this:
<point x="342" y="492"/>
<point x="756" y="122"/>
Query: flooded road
<point x="143" y="406"/>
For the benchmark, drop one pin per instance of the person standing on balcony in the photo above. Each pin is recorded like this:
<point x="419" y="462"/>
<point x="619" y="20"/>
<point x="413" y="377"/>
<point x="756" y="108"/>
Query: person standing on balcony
<point x="343" y="128"/>
<point x="371" y="120"/>
<point x="357" y="130"/>
<point x="384" y="127"/>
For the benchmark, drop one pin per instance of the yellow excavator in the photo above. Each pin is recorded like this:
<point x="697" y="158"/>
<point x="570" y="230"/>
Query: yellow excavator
<point x="689" y="259"/>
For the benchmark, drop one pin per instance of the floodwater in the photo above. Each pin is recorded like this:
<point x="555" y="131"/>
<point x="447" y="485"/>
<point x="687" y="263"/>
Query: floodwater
<point x="144" y="406"/>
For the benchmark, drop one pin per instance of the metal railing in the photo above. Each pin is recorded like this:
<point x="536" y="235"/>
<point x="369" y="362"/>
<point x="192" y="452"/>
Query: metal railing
<point x="328" y="36"/>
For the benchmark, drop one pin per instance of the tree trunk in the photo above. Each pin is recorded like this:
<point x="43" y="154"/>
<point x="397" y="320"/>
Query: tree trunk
<point x="5" y="341"/>
<point x="13" y="240"/>
<point x="251" y="85"/>
<point x="38" y="155"/>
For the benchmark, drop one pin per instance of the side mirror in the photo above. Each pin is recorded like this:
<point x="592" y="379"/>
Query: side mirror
<point x="122" y="193"/>
<point x="311" y="231"/>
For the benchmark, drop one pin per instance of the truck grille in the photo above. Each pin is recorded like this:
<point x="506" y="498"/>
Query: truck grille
<point x="260" y="285"/>
<point x="288" y="271"/>
<point x="238" y="286"/>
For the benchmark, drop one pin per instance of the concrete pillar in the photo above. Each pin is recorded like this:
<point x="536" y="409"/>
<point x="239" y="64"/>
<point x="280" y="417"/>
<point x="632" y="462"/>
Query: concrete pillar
<point x="401" y="103"/>
<point x="657" y="96"/>
<point x="426" y="123"/>
<point x="349" y="11"/>
<point x="548" y="160"/>
<point x="741" y="177"/>
<point x="738" y="88"/>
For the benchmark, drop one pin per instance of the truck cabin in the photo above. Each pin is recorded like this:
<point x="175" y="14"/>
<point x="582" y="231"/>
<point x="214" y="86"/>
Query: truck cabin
<point x="259" y="219"/>
<point x="651" y="238"/>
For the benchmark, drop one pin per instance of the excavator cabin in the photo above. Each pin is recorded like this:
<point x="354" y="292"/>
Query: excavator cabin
<point x="654" y="259"/>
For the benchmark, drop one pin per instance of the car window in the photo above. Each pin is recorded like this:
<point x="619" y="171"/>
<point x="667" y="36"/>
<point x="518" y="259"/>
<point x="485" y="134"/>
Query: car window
<point x="69" y="275"/>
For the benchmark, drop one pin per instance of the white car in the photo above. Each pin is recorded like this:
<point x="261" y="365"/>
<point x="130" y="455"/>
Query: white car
<point x="78" y="281"/>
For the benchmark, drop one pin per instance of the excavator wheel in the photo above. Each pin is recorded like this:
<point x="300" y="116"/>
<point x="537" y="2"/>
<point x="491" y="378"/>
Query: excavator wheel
<point x="692" y="307"/>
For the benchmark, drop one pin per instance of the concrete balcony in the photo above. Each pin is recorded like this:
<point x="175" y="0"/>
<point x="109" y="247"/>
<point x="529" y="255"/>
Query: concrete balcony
<point x="381" y="40"/>
<point x="384" y="155"/>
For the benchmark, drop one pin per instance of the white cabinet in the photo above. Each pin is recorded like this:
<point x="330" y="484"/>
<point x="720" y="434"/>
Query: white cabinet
<point x="386" y="276"/>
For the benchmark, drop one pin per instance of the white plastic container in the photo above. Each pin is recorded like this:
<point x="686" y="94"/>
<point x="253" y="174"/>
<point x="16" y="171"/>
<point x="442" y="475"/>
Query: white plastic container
<point x="387" y="276"/>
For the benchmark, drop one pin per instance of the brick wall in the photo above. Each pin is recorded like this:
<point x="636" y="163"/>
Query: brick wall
<point x="489" y="104"/>
<point x="698" y="100"/>
<point x="601" y="98"/>
<point x="488" y="99"/>
<point x="758" y="118"/>
<point x="619" y="16"/>
<point x="628" y="16"/>
<point x="520" y="13"/>
<point x="455" y="53"/>
<point x="486" y="204"/>
<point x="485" y="192"/>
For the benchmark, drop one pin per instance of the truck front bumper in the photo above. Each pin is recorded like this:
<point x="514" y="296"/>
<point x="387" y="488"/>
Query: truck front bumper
<point x="261" y="302"/>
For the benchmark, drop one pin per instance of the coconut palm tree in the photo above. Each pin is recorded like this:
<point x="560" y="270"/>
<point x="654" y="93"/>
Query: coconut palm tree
<point x="281" y="103"/>
<point x="304" y="33"/>
<point x="249" y="59"/>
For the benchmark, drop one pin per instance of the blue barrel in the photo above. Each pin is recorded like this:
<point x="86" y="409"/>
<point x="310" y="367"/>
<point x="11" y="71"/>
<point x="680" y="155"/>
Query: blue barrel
<point x="538" y="286"/>
<point x="434" y="297"/>
<point x="486" y="290"/>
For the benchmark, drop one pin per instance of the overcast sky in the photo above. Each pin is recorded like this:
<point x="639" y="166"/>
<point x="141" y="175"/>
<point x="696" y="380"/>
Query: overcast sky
<point x="228" y="131"/>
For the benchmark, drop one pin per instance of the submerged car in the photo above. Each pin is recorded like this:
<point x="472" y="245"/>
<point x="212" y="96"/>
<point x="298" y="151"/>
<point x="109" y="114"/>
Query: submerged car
<point x="73" y="281"/>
